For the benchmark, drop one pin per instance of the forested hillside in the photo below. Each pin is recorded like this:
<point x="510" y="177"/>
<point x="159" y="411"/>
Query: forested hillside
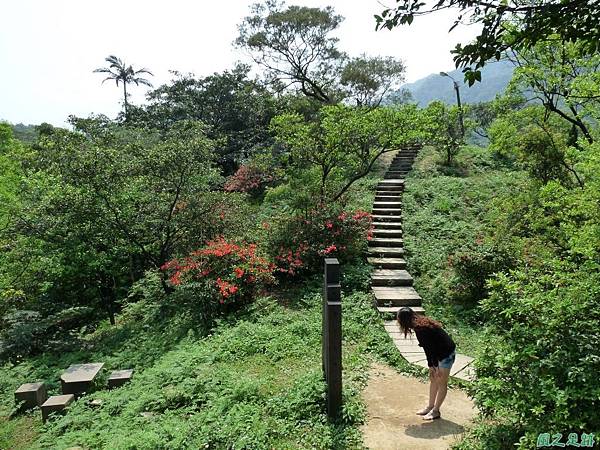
<point x="185" y="238"/>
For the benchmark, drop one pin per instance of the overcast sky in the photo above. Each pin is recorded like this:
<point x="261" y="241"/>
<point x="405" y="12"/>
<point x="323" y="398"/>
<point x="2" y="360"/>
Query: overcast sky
<point x="48" y="49"/>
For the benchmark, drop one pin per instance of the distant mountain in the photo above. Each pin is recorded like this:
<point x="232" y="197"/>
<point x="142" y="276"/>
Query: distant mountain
<point x="494" y="79"/>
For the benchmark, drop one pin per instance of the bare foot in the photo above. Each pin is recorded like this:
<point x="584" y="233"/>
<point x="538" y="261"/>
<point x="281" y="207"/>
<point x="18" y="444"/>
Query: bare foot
<point x="431" y="415"/>
<point x="424" y="411"/>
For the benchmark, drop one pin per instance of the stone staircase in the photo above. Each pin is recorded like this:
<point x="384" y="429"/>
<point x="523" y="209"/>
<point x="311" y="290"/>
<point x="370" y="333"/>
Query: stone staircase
<point x="391" y="284"/>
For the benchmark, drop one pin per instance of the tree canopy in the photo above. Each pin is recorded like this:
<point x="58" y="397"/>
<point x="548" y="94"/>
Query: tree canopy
<point x="530" y="23"/>
<point x="294" y="46"/>
<point x="368" y="80"/>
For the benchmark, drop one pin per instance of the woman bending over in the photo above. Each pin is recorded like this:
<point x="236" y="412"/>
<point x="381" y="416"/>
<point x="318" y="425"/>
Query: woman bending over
<point x="440" y="351"/>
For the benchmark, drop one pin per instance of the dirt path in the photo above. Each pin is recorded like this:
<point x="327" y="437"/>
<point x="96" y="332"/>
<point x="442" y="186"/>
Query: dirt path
<point x="392" y="400"/>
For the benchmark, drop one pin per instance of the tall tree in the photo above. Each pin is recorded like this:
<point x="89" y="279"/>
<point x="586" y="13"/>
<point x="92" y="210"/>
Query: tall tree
<point x="368" y="80"/>
<point x="295" y="47"/>
<point x="563" y="78"/>
<point x="124" y="74"/>
<point x="343" y="144"/>
<point x="536" y="21"/>
<point x="236" y="109"/>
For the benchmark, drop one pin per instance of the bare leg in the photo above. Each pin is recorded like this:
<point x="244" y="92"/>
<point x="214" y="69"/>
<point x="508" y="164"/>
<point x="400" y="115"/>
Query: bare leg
<point x="442" y="389"/>
<point x="442" y="384"/>
<point x="433" y="389"/>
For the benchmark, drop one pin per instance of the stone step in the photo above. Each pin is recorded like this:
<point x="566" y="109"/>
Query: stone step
<point x="386" y="252"/>
<point x="384" y="205"/>
<point x="412" y="302"/>
<point x="461" y="362"/>
<point x="391" y="292"/>
<point x="387" y="233"/>
<point x="387" y="263"/>
<point x="391" y="277"/>
<point x="387" y="198"/>
<point x="119" y="377"/>
<point x="396" y="193"/>
<point x="395" y="175"/>
<point x="397" y="296"/>
<point x="392" y="189"/>
<point x="386" y="242"/>
<point x="393" y="310"/>
<point x="387" y="211"/>
<point x="387" y="225"/>
<point x="393" y="329"/>
<point x="56" y="403"/>
<point x="391" y="183"/>
<point x="467" y="373"/>
<point x="400" y="173"/>
<point x="386" y="218"/>
<point x="31" y="394"/>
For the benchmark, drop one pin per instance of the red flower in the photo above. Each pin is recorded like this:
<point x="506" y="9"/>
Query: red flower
<point x="239" y="273"/>
<point x="331" y="248"/>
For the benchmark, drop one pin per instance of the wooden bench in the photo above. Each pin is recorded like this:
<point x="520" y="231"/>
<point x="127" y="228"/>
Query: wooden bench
<point x="56" y="403"/>
<point x="31" y="394"/>
<point x="119" y="378"/>
<point x="78" y="378"/>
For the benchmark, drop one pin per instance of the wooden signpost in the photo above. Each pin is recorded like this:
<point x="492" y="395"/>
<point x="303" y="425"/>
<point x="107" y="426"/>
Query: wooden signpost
<point x="332" y="336"/>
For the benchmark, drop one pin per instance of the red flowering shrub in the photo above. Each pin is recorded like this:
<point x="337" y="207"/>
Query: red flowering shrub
<point x="232" y="270"/>
<point x="299" y="243"/>
<point x="249" y="179"/>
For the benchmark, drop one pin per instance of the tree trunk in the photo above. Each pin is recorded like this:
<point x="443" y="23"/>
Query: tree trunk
<point x="108" y="291"/>
<point x="125" y="104"/>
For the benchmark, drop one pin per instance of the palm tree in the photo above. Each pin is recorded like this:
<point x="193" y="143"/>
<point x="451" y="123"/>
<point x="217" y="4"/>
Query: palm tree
<point x="122" y="73"/>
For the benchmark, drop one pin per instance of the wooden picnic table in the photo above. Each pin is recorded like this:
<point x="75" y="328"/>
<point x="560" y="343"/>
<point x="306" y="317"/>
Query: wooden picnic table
<point x="78" y="378"/>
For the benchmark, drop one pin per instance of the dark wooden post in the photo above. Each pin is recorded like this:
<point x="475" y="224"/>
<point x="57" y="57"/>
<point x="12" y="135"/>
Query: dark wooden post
<point x="332" y="336"/>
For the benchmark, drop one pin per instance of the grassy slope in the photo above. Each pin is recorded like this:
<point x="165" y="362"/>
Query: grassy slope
<point x="253" y="382"/>
<point x="447" y="209"/>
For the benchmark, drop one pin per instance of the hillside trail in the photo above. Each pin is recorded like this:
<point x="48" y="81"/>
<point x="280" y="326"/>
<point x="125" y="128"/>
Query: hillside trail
<point x="391" y="398"/>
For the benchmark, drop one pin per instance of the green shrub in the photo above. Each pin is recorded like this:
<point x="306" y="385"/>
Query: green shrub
<point x="541" y="352"/>
<point x="473" y="265"/>
<point x="25" y="333"/>
<point x="299" y="243"/>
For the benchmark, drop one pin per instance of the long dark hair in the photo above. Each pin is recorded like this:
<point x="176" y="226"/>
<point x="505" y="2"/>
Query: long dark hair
<point x="409" y="320"/>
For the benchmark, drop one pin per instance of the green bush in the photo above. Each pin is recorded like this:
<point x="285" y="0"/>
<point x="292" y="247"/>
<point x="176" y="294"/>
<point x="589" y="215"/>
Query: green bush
<point x="298" y="243"/>
<point x="25" y="333"/>
<point x="541" y="350"/>
<point x="473" y="265"/>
